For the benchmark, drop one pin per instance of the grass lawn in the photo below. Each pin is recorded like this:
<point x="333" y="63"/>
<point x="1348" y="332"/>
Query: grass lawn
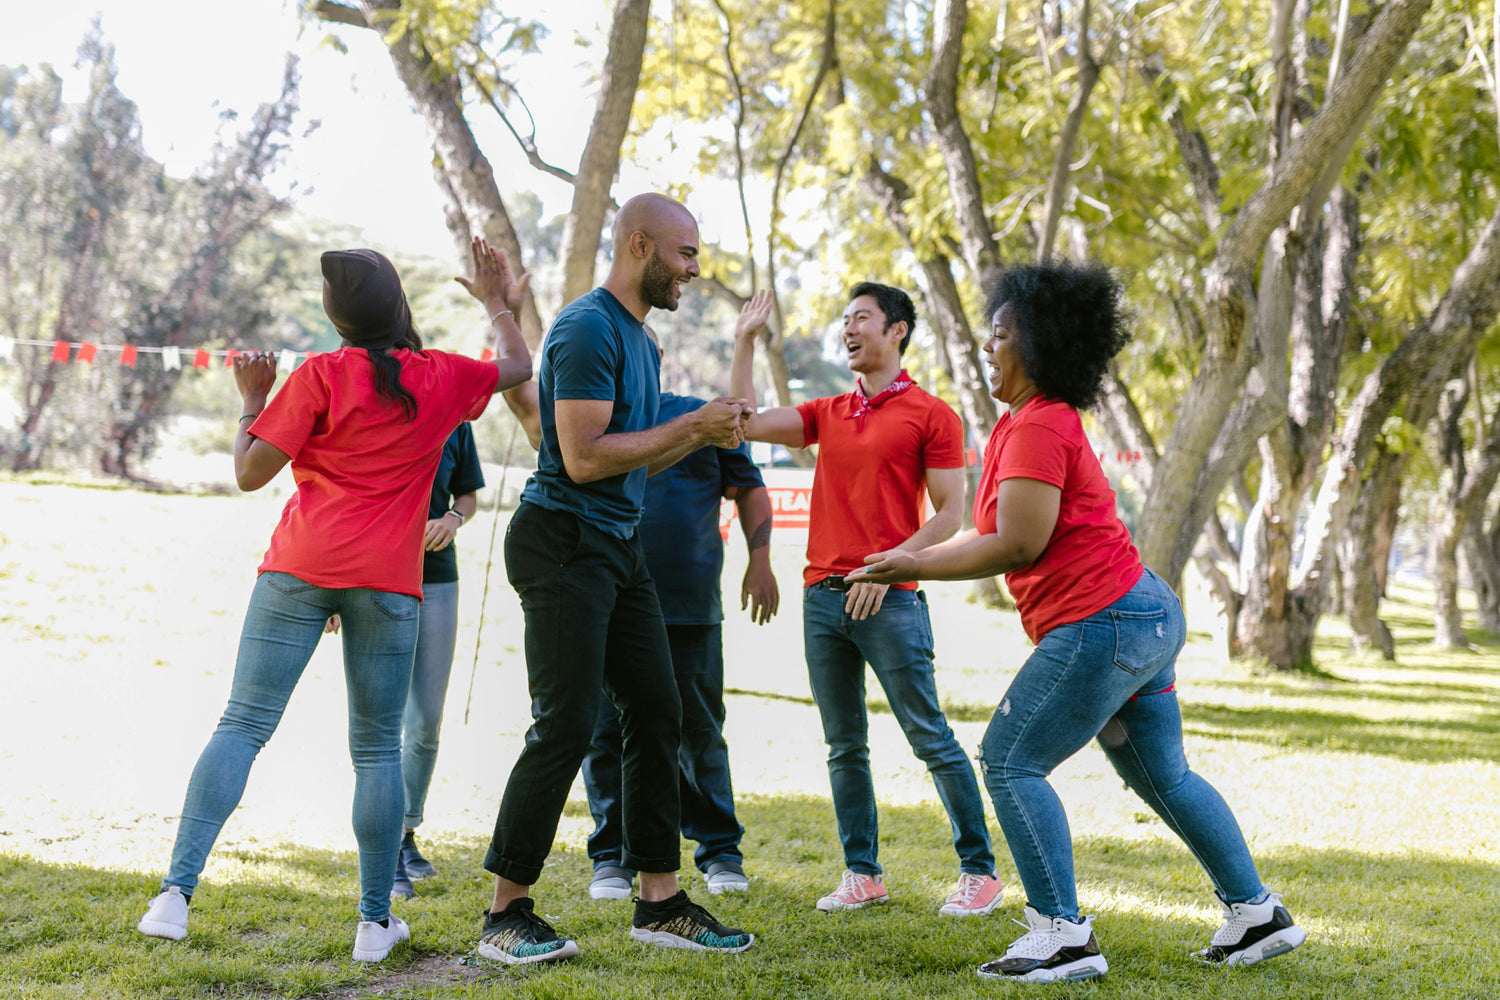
<point x="1370" y="793"/>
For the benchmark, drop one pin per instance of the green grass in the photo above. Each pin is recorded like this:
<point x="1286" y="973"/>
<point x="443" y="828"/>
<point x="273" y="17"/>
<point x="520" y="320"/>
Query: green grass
<point x="1418" y="924"/>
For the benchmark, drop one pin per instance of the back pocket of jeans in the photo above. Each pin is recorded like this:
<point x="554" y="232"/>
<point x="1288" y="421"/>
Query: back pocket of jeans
<point x="396" y="607"/>
<point x="1142" y="639"/>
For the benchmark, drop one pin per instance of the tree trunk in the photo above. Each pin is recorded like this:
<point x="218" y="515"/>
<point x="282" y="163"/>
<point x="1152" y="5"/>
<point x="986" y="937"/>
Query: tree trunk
<point x="601" y="153"/>
<point x="1361" y="548"/>
<point x="1188" y="480"/>
<point x="1067" y="142"/>
<point x="473" y="204"/>
<point x="1484" y="573"/>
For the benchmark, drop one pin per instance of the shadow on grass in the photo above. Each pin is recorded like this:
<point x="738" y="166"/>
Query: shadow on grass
<point x="1380" y="927"/>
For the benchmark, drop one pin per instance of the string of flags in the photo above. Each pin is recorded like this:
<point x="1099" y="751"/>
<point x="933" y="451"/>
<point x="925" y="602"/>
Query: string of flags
<point x="172" y="358"/>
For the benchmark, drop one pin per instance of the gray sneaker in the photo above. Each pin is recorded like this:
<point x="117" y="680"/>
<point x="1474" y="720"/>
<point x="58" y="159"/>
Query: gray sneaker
<point x="725" y="876"/>
<point x="611" y="882"/>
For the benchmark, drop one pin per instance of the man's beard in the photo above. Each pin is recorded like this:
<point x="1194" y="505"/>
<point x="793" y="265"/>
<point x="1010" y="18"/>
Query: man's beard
<point x="656" y="284"/>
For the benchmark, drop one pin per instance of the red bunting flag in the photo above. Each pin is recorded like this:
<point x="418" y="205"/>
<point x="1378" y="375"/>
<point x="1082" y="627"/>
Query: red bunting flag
<point x="229" y="357"/>
<point x="60" y="349"/>
<point x="486" y="355"/>
<point x="127" y="355"/>
<point x="200" y="358"/>
<point x="86" y="354"/>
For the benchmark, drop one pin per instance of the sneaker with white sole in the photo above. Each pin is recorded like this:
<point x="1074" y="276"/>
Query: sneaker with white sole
<point x="725" y="876"/>
<point x="1052" y="949"/>
<point x="974" y="896"/>
<point x="611" y="882"/>
<point x="679" y="922"/>
<point x="517" y="935"/>
<point x="373" y="941"/>
<point x="855" y="889"/>
<point x="167" y="916"/>
<point x="1253" y="932"/>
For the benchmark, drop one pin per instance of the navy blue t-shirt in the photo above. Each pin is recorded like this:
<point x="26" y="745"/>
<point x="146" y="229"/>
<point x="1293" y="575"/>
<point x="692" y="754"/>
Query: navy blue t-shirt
<point x="680" y="523"/>
<point x="595" y="350"/>
<point x="458" y="473"/>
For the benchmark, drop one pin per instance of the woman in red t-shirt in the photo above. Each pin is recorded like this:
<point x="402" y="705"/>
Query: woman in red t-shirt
<point x="363" y="428"/>
<point x="1107" y="631"/>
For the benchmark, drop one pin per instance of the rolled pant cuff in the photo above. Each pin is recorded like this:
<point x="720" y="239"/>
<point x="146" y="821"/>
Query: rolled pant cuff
<point x="650" y="866"/>
<point x="512" y="870"/>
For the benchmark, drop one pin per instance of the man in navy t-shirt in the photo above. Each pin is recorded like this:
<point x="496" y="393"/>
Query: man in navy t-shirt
<point x="593" y="624"/>
<point x="685" y="555"/>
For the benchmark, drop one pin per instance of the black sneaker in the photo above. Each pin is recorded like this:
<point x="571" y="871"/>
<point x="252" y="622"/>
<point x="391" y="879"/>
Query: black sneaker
<point x="1052" y="949"/>
<point x="1253" y="932"/>
<point x="680" y="923"/>
<point x="416" y="865"/>
<point x="518" y="936"/>
<point x="401" y="886"/>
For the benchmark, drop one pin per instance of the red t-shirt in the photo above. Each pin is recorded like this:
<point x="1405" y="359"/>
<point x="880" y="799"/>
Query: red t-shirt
<point x="870" y="485"/>
<point x="1089" y="562"/>
<point x="364" y="475"/>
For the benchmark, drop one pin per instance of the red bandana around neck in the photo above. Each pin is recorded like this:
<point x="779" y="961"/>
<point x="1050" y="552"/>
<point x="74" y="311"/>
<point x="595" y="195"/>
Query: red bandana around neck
<point x="868" y="404"/>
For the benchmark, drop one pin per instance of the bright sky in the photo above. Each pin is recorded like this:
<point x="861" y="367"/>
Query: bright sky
<point x="369" y="161"/>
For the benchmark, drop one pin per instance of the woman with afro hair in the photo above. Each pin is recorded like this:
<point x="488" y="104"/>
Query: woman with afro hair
<point x="1107" y="631"/>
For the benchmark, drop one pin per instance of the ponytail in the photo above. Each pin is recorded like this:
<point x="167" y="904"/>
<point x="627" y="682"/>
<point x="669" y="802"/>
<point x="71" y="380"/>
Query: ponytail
<point x="388" y="373"/>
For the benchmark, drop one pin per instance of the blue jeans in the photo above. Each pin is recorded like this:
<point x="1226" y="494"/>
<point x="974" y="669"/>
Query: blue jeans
<point x="1110" y="675"/>
<point x="897" y="644"/>
<point x="282" y="627"/>
<point x="423" y="719"/>
<point x="702" y="758"/>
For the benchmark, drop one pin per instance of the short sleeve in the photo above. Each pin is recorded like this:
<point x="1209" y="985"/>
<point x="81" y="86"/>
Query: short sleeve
<point x="474" y="384"/>
<point x="583" y="356"/>
<point x="944" y="448"/>
<point x="467" y="475"/>
<point x="736" y="469"/>
<point x="810" y="412"/>
<point x="1034" y="451"/>
<point x="294" y="413"/>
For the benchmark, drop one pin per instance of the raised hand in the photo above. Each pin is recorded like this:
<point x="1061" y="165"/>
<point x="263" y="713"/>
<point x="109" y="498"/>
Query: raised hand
<point x="753" y="315"/>
<point x="255" y="374"/>
<point x="494" y="284"/>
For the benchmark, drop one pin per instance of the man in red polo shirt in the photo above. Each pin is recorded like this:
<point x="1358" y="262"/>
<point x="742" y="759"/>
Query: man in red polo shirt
<point x="883" y="449"/>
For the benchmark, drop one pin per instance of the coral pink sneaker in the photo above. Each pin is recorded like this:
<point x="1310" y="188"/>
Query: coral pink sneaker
<point x="855" y="890"/>
<point x="974" y="896"/>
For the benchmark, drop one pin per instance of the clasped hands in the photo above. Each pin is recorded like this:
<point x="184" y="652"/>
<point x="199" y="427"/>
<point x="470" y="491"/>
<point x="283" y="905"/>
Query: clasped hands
<point x="723" y="422"/>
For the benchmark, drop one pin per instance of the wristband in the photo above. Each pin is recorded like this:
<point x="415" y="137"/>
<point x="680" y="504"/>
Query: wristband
<point x="252" y="416"/>
<point x="503" y="312"/>
<point x="456" y="513"/>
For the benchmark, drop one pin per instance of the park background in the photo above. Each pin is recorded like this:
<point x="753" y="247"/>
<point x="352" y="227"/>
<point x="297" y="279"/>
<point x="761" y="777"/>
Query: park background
<point x="1300" y="198"/>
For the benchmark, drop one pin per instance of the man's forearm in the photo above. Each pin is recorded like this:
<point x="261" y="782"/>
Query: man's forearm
<point x="938" y="528"/>
<point x="655" y="448"/>
<point x="754" y="507"/>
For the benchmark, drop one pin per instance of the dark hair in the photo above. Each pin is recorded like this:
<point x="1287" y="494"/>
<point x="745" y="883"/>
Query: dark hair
<point x="895" y="303"/>
<point x="388" y="371"/>
<point x="1069" y="323"/>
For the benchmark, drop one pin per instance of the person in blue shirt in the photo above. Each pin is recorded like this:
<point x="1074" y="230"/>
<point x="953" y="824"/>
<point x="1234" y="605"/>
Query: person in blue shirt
<point x="685" y="555"/>
<point x="594" y="627"/>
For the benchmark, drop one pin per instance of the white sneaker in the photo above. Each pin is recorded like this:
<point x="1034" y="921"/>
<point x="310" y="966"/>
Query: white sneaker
<point x="166" y="917"/>
<point x="373" y="942"/>
<point x="1253" y="932"/>
<point x="1051" y="949"/>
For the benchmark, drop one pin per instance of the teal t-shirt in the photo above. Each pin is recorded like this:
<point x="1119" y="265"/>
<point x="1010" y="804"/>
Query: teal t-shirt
<point x="595" y="350"/>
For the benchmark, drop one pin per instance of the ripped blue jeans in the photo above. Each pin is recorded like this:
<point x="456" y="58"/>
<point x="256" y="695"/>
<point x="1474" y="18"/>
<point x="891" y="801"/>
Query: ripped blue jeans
<point x="1111" y="675"/>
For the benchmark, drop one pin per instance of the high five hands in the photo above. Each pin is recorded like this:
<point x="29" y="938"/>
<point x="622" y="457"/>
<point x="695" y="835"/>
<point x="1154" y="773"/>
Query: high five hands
<point x="494" y="284"/>
<point x="753" y="315"/>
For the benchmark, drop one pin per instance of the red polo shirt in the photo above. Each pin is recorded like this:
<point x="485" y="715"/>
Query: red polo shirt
<point x="870" y="486"/>
<point x="363" y="474"/>
<point x="1090" y="562"/>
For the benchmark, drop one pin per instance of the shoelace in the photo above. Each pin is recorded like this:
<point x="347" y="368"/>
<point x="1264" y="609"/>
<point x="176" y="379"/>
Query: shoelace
<point x="969" y="886"/>
<point x="851" y="882"/>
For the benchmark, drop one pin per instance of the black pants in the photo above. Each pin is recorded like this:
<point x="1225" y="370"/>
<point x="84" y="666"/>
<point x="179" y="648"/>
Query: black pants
<point x="593" y="627"/>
